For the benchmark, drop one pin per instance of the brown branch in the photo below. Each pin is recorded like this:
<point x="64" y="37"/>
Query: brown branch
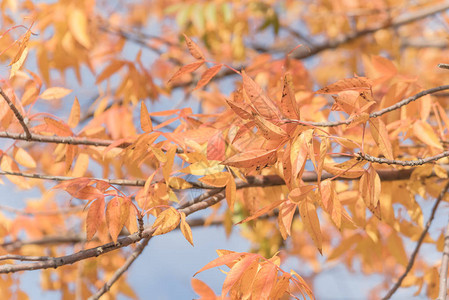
<point x="24" y="257"/>
<point x="444" y="265"/>
<point x="122" y="269"/>
<point x="71" y="140"/>
<point x="56" y="262"/>
<point x="418" y="245"/>
<point x="48" y="240"/>
<point x="405" y="163"/>
<point x="374" y="114"/>
<point x="17" y="114"/>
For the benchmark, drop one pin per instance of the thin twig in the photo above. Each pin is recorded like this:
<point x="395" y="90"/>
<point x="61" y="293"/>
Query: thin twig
<point x="17" y="114"/>
<point x="119" y="272"/>
<point x="374" y="114"/>
<point x="444" y="265"/>
<point x="418" y="245"/>
<point x="405" y="163"/>
<point x="24" y="257"/>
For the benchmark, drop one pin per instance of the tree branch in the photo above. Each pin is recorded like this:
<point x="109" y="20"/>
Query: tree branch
<point x="56" y="262"/>
<point x="24" y="257"/>
<point x="136" y="253"/>
<point x="374" y="114"/>
<point x="405" y="163"/>
<point x="17" y="114"/>
<point x="444" y="265"/>
<point x="418" y="245"/>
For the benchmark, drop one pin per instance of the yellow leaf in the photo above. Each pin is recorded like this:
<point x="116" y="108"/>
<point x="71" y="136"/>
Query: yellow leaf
<point x="145" y="119"/>
<point x="55" y="93"/>
<point x="81" y="165"/>
<point x="168" y="166"/>
<point x="440" y="171"/>
<point x="185" y="229"/>
<point x="160" y="155"/>
<point x="231" y="190"/>
<point x="16" y="66"/>
<point x="24" y="158"/>
<point x="78" y="27"/>
<point x="74" y="114"/>
<point x="166" y="221"/>
<point x="7" y="164"/>
<point x="203" y="168"/>
<point x="178" y="183"/>
<point x="424" y="132"/>
<point x="216" y="180"/>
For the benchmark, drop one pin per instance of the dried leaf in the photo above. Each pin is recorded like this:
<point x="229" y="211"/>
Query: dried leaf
<point x="185" y="229"/>
<point x="358" y="84"/>
<point x="145" y="120"/>
<point x="311" y="222"/>
<point x="166" y="221"/>
<point x="94" y="218"/>
<point x="208" y="75"/>
<point x="380" y="136"/>
<point x="186" y="69"/>
<point x="75" y="114"/>
<point x="194" y="50"/>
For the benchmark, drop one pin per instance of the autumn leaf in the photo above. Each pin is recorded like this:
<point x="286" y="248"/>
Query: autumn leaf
<point x="75" y="114"/>
<point x="55" y="93"/>
<point x="208" y="75"/>
<point x="263" y="105"/>
<point x="94" y="218"/>
<point x="194" y="50"/>
<point x="358" y="84"/>
<point x="166" y="221"/>
<point x="251" y="158"/>
<point x="311" y="222"/>
<point x="145" y="119"/>
<point x="202" y="289"/>
<point x="78" y="25"/>
<point x="186" y="69"/>
<point x="424" y="132"/>
<point x="380" y="136"/>
<point x="113" y="214"/>
<point x="185" y="229"/>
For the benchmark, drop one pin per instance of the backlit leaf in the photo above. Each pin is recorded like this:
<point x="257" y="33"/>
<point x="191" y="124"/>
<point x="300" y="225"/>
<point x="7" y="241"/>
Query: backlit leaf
<point x="55" y="93"/>
<point x="166" y="221"/>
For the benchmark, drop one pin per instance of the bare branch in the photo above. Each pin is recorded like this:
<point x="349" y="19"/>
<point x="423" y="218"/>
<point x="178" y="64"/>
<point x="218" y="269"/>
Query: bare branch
<point x="16" y="113"/>
<point x="444" y="265"/>
<point x="406" y="163"/>
<point x="60" y="211"/>
<point x="24" y="257"/>
<point x="122" y="269"/>
<point x="418" y="245"/>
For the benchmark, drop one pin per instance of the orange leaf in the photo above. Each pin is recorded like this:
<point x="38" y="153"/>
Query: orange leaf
<point x="202" y="289"/>
<point x="380" y="136"/>
<point x="208" y="75"/>
<point x="216" y="147"/>
<point x="56" y="127"/>
<point x="194" y="50"/>
<point x="112" y="68"/>
<point x="264" y="281"/>
<point x="349" y="169"/>
<point x="369" y="187"/>
<point x="145" y="119"/>
<point x="94" y="218"/>
<point x="241" y="109"/>
<point x="262" y="211"/>
<point x="75" y="113"/>
<point x="236" y="272"/>
<point x="286" y="213"/>
<point x="289" y="107"/>
<point x="186" y="69"/>
<point x="358" y="84"/>
<point x="222" y="260"/>
<point x="311" y="222"/>
<point x="231" y="190"/>
<point x="263" y="105"/>
<point x="426" y="134"/>
<point x="268" y="129"/>
<point x="330" y="202"/>
<point x="113" y="213"/>
<point x="251" y="158"/>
